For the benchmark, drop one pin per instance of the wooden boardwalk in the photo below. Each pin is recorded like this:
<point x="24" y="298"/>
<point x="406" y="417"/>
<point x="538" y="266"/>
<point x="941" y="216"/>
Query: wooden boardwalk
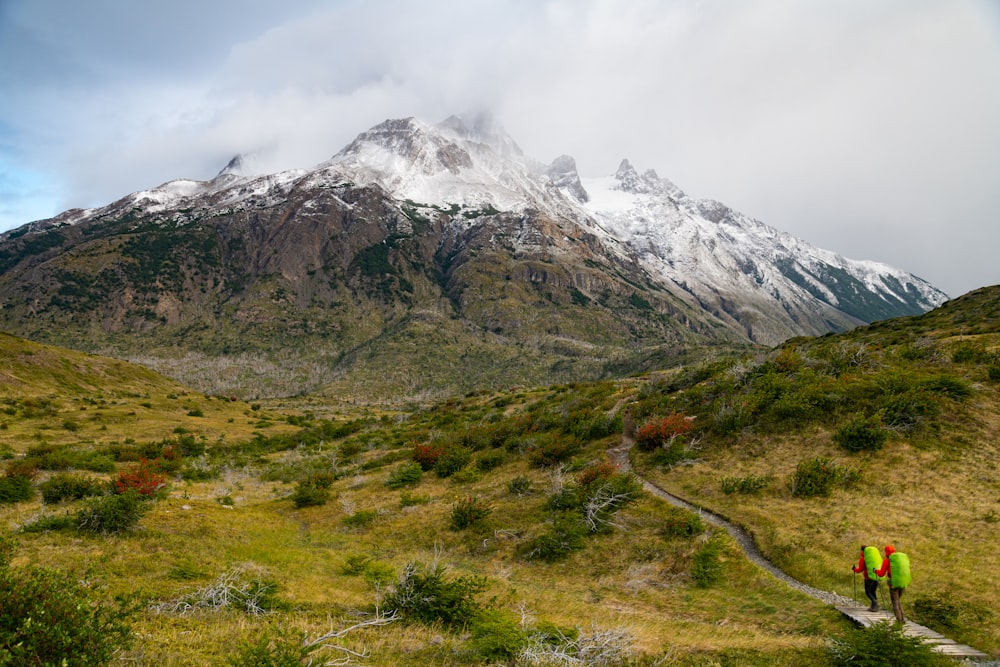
<point x="937" y="641"/>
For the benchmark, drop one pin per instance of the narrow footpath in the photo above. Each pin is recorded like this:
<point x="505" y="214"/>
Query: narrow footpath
<point x="847" y="606"/>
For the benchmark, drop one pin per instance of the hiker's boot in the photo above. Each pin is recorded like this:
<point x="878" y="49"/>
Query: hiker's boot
<point x="874" y="607"/>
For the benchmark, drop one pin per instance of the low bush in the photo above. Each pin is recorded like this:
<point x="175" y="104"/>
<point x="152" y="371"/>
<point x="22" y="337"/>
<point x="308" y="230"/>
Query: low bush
<point x="50" y="618"/>
<point x="883" y="644"/>
<point x="427" y="454"/>
<point x="564" y="536"/>
<point x="313" y="490"/>
<point x="468" y="511"/>
<point x="271" y="649"/>
<point x="404" y="475"/>
<point x="361" y="519"/>
<point x="144" y="478"/>
<point x="425" y="595"/>
<point x="50" y="522"/>
<point x="16" y="489"/>
<point x="69" y="487"/>
<point x="451" y="461"/>
<point x="946" y="385"/>
<point x="661" y="432"/>
<point x="307" y="494"/>
<point x="994" y="371"/>
<point x="679" y="522"/>
<point x="819" y="476"/>
<point x="490" y="461"/>
<point x="549" y="450"/>
<point x="745" y="485"/>
<point x="112" y="514"/>
<point x="496" y="637"/>
<point x="706" y="564"/>
<point x="862" y="433"/>
<point x="519" y="485"/>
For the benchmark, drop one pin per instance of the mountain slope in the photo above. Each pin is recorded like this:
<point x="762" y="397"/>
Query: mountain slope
<point x="413" y="251"/>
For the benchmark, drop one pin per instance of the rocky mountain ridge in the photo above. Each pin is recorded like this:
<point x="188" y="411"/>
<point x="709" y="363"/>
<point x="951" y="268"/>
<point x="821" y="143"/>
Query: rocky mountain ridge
<point x="424" y="259"/>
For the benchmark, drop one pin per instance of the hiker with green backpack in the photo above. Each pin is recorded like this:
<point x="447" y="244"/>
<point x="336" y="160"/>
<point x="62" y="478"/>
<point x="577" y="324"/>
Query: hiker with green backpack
<point x="897" y="568"/>
<point x="869" y="563"/>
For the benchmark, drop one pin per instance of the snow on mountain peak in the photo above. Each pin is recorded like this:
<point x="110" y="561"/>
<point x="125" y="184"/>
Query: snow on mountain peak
<point x="563" y="174"/>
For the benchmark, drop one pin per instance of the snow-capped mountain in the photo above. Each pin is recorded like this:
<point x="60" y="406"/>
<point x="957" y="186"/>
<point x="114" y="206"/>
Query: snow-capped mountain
<point x="411" y="223"/>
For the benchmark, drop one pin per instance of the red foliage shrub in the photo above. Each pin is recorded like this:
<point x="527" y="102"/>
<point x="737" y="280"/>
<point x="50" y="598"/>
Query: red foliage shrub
<point x="658" y="432"/>
<point x="21" y="468"/>
<point x="427" y="454"/>
<point x="144" y="478"/>
<point x="550" y="451"/>
<point x="596" y="472"/>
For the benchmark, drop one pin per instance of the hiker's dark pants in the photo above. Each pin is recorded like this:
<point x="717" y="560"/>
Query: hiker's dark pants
<point x="871" y="590"/>
<point x="897" y="605"/>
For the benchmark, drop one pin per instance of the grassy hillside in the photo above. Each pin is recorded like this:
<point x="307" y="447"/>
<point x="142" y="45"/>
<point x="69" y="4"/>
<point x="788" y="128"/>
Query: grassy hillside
<point x="52" y="396"/>
<point x="883" y="435"/>
<point x="290" y="522"/>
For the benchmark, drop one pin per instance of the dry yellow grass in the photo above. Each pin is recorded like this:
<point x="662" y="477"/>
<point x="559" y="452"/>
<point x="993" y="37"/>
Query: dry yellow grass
<point x="940" y="506"/>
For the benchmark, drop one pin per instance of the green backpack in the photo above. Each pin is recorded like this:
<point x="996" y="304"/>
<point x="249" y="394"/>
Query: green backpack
<point x="899" y="570"/>
<point x="873" y="562"/>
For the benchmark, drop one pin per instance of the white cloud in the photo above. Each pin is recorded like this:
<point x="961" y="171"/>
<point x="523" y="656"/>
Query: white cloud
<point x="866" y="128"/>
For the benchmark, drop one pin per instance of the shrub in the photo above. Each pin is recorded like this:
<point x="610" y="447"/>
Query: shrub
<point x="69" y="487"/>
<point x="519" y="486"/>
<point x="112" y="514"/>
<point x="468" y="511"/>
<point x="496" y="637"/>
<point x="883" y="644"/>
<point x="563" y="537"/>
<point x="549" y="450"/>
<point x="679" y="522"/>
<point x="307" y="494"/>
<point x="595" y="473"/>
<point x="427" y="454"/>
<point x="405" y="474"/>
<point x="270" y="650"/>
<point x="659" y="432"/>
<point x="946" y="385"/>
<point x="143" y="478"/>
<point x="451" y="461"/>
<point x="425" y="595"/>
<point x="970" y="352"/>
<point x="313" y="491"/>
<point x="361" y="519"/>
<point x="706" y="564"/>
<point x="490" y="461"/>
<point x="49" y="618"/>
<point x="862" y="433"/>
<point x="411" y="500"/>
<point x="818" y="476"/>
<point x="51" y="522"/>
<point x="994" y="371"/>
<point x="16" y="489"/>
<point x="909" y="409"/>
<point x="746" y="485"/>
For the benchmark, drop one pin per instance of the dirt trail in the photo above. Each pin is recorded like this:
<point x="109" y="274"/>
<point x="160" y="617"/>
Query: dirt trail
<point x="619" y="455"/>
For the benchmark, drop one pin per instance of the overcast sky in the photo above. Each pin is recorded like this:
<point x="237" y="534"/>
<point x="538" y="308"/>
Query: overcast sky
<point x="867" y="127"/>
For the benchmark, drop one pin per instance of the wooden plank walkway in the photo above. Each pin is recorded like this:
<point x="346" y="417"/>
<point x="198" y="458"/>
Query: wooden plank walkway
<point x="937" y="641"/>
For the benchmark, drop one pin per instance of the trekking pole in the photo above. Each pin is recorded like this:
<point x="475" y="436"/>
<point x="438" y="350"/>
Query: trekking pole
<point x="855" y="596"/>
